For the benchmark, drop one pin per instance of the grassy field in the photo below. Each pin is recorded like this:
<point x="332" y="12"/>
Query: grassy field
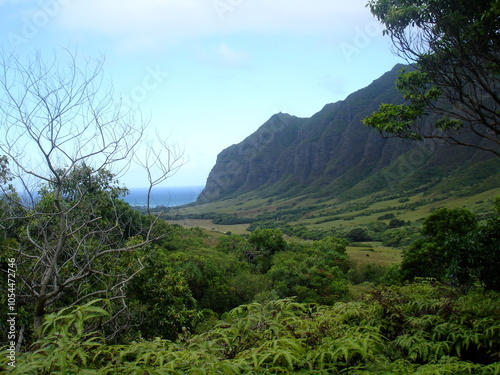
<point x="325" y="214"/>
<point x="367" y="252"/>
<point x="374" y="252"/>
<point x="210" y="226"/>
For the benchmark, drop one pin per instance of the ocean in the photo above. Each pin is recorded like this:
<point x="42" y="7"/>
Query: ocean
<point x="163" y="196"/>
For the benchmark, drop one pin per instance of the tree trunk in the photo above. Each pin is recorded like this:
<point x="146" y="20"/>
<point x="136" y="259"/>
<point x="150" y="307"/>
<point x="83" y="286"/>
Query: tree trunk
<point x="38" y="317"/>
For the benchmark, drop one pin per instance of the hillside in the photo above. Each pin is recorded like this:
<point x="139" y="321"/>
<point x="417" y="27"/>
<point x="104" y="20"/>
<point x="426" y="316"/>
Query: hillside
<point x="329" y="174"/>
<point x="332" y="154"/>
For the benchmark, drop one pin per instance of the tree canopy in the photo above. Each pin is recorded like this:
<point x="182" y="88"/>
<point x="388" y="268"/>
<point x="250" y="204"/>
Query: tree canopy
<point x="456" y="248"/>
<point x="452" y="86"/>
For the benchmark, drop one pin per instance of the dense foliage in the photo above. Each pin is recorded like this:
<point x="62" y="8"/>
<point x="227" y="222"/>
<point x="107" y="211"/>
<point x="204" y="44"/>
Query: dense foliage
<point x="65" y="232"/>
<point x="198" y="302"/>
<point x="103" y="289"/>
<point x="420" y="329"/>
<point x="262" y="304"/>
<point x="456" y="248"/>
<point x="453" y="48"/>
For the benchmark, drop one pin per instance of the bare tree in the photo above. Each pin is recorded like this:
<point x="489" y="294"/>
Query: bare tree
<point x="67" y="140"/>
<point x="161" y="160"/>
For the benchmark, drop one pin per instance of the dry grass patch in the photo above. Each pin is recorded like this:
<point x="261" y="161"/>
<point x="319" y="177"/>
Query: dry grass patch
<point x="378" y="254"/>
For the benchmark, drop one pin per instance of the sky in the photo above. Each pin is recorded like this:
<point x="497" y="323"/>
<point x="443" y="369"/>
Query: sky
<point x="209" y="73"/>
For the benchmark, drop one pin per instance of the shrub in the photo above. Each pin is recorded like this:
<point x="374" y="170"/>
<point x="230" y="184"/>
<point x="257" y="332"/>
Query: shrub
<point x="422" y="328"/>
<point x="359" y="235"/>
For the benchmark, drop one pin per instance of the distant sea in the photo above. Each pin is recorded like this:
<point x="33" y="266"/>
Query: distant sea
<point x="163" y="196"/>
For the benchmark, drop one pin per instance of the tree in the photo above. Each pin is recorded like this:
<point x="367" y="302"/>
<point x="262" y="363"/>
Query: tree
<point x="266" y="243"/>
<point x="475" y="255"/>
<point x="7" y="226"/>
<point x="314" y="274"/>
<point x="427" y="257"/>
<point x="267" y="240"/>
<point x="67" y="140"/>
<point x="456" y="248"/>
<point x="359" y="234"/>
<point x="452" y="47"/>
<point x="160" y="299"/>
<point x="160" y="163"/>
<point x="212" y="276"/>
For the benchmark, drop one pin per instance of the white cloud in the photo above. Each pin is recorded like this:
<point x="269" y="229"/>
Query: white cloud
<point x="161" y="21"/>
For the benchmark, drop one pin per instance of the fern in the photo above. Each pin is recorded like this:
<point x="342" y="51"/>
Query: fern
<point x="399" y="331"/>
<point x="417" y="348"/>
<point x="492" y="369"/>
<point x="286" y="352"/>
<point x="448" y="366"/>
<point x="64" y="345"/>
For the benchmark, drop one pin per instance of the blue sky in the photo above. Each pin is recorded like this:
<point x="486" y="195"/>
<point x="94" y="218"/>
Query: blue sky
<point x="210" y="72"/>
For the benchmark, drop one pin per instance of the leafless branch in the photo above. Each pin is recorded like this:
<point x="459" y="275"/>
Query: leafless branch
<point x="72" y="238"/>
<point x="161" y="161"/>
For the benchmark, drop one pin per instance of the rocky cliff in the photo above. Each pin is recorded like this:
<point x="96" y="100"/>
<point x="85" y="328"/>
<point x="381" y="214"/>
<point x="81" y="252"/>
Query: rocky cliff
<point x="332" y="153"/>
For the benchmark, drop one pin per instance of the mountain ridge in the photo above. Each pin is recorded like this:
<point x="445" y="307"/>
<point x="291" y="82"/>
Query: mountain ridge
<point x="333" y="154"/>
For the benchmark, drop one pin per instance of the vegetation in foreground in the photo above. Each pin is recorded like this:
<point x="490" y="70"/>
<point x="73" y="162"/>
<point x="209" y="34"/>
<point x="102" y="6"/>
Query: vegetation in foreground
<point x="423" y="328"/>
<point x="231" y="304"/>
<point x="180" y="301"/>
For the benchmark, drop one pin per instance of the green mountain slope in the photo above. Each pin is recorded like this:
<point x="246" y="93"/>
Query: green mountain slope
<point x="333" y="155"/>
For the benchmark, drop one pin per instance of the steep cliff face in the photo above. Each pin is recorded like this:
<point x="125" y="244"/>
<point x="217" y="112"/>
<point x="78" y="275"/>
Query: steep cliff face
<point x="332" y="152"/>
<point x="252" y="163"/>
